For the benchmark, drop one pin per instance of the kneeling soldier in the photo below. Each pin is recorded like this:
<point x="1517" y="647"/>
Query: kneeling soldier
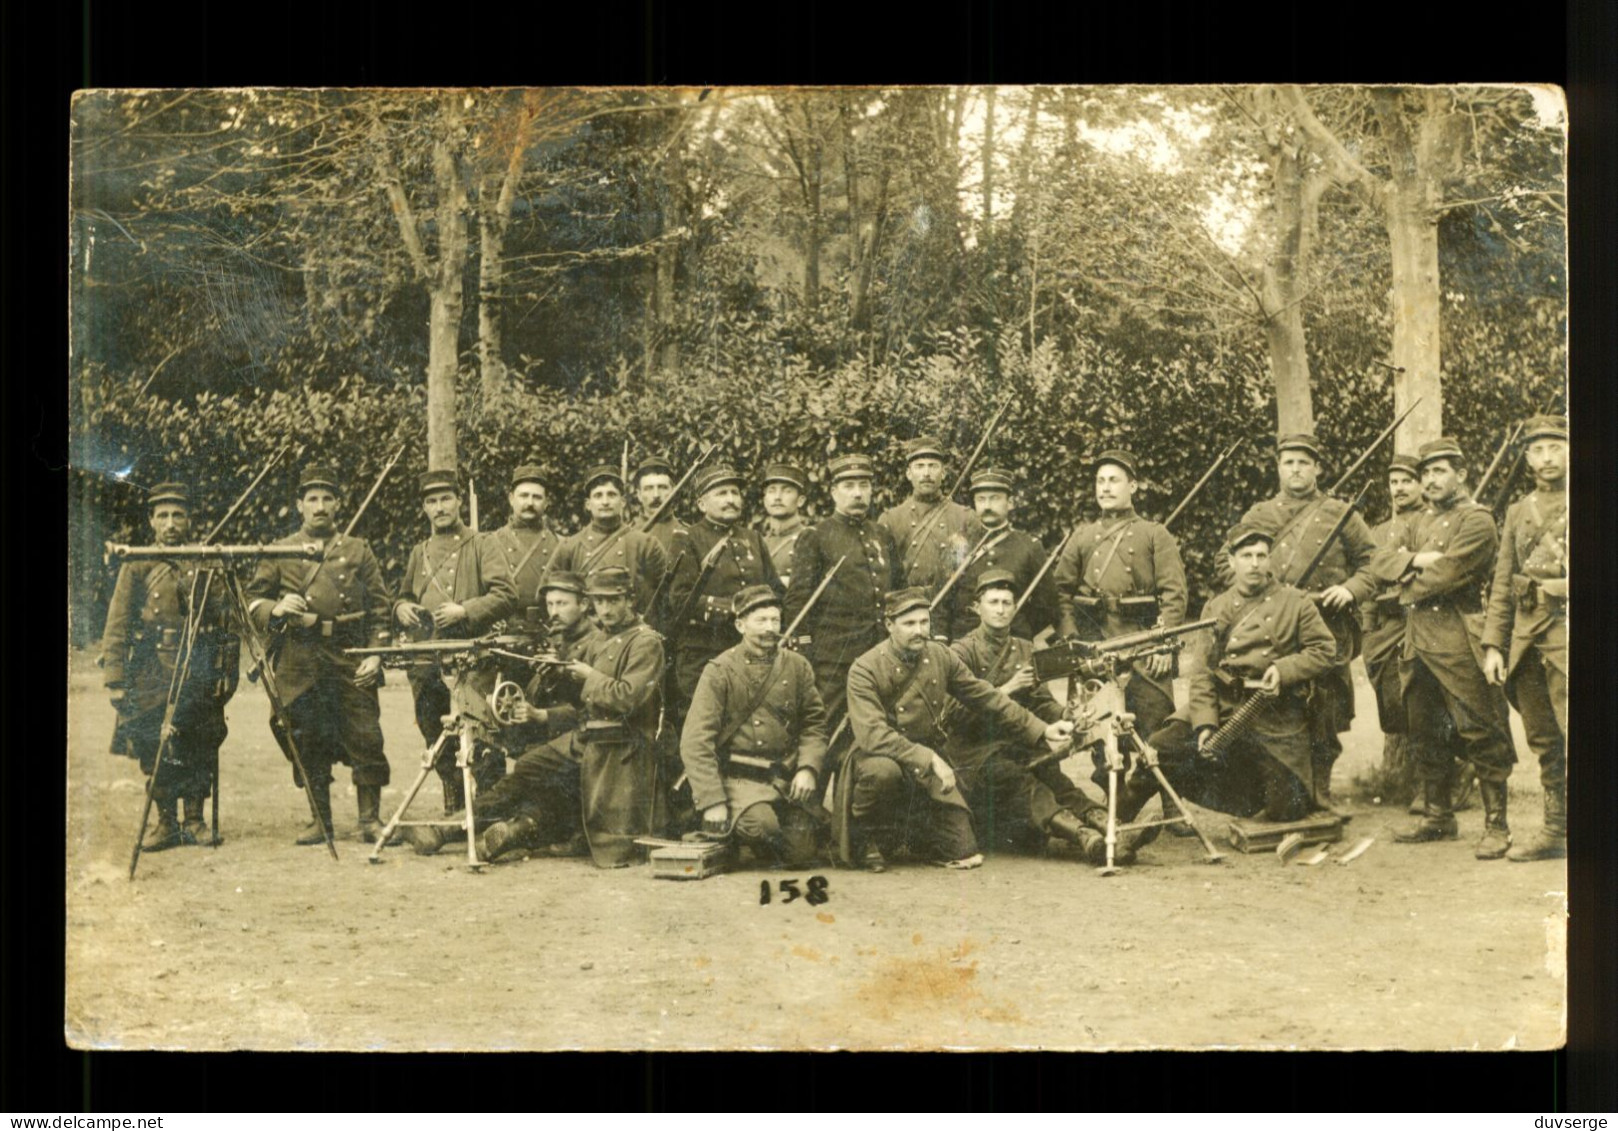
<point x="896" y="777"/>
<point x="1269" y="639"/>
<point x="1011" y="804"/>
<point x="139" y="651"/>
<point x="755" y="738"/>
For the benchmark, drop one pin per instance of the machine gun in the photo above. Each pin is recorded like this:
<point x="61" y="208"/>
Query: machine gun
<point x="1103" y="659"/>
<point x="209" y="555"/>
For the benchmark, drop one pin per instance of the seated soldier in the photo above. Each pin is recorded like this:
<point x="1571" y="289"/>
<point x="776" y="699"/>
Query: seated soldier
<point x="754" y="738"/>
<point x="1013" y="806"/>
<point x="539" y="798"/>
<point x="1271" y="640"/>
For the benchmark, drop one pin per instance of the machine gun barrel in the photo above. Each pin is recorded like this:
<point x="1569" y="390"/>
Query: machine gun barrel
<point x="1083" y="657"/>
<point x="504" y="645"/>
<point x="221" y="554"/>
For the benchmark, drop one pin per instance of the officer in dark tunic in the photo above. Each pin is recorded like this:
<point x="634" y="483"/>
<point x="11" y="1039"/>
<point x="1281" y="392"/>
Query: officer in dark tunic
<point x="1441" y="557"/>
<point x="445" y="596"/>
<point x="1013" y="806"/>
<point x="784" y="489"/>
<point x="139" y="651"/>
<point x="898" y="785"/>
<point x="934" y="534"/>
<point x="317" y="609"/>
<point x="515" y="556"/>
<point x="847" y="620"/>
<point x="1005" y="549"/>
<point x="1269" y="638"/>
<point x="1525" y="637"/>
<point x="1298" y="518"/>
<point x="1383" y="619"/>
<point x="607" y="541"/>
<point x="754" y="741"/>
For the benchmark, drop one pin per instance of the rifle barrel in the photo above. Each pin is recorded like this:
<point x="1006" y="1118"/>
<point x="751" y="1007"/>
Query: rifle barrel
<point x="792" y="628"/>
<point x="1206" y="475"/>
<point x="1331" y="536"/>
<point x="195" y="552"/>
<point x="1375" y="444"/>
<point x="966" y="468"/>
<point x="237" y="505"/>
<point x="651" y="520"/>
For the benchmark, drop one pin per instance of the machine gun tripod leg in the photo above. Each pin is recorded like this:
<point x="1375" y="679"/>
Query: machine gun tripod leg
<point x="429" y="762"/>
<point x="1144" y="756"/>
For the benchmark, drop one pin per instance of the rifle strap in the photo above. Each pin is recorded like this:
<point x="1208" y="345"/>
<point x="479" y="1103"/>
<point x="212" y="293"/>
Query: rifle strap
<point x="1117" y="533"/>
<point x="595" y="555"/>
<point x="527" y="557"/>
<point x="435" y="573"/>
<point x="1550" y="534"/>
<point x="729" y="734"/>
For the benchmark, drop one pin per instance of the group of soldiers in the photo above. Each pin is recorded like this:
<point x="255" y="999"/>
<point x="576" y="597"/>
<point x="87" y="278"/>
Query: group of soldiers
<point x="715" y="678"/>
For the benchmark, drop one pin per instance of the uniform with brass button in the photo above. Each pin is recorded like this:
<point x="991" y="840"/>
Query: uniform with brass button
<point x="784" y="489"/>
<point x="1383" y="622"/>
<point x="317" y="609"/>
<point x="933" y="534"/>
<point x="608" y="541"/>
<point x="1009" y="549"/>
<point x="139" y="651"/>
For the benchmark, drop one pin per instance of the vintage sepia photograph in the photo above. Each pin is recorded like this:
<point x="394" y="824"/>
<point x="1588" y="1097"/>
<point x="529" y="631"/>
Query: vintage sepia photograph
<point x="858" y="568"/>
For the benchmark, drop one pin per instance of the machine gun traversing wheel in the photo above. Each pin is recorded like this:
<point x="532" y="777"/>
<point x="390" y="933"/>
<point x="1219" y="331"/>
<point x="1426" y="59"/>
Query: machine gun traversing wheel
<point x="1096" y="673"/>
<point x="475" y="716"/>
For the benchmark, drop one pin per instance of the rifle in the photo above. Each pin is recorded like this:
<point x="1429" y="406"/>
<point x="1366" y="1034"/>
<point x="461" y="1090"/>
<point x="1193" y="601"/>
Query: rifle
<point x="1494" y="465"/>
<point x="1325" y="545"/>
<point x="1102" y="659"/>
<point x="353" y="522"/>
<point x="212" y="556"/>
<point x="813" y="597"/>
<point x="989" y="538"/>
<point x="237" y="505"/>
<point x="676" y="625"/>
<point x="651" y="520"/>
<point x="1516" y="464"/>
<point x="1375" y="444"/>
<point x="1206" y="475"/>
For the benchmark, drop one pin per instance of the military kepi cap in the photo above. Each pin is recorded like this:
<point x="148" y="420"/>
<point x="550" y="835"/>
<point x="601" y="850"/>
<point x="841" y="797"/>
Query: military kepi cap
<point x="1243" y="533"/>
<point x="924" y="447"/>
<point x="1406" y="463"/>
<point x="653" y="465"/>
<point x="564" y="580"/>
<point x="995" y="579"/>
<point x="786" y="473"/>
<point x="901" y="601"/>
<point x="611" y="581"/>
<point x="711" y="477"/>
<point x="603" y="471"/>
<point x="752" y="597"/>
<point x="1445" y="447"/>
<point x="1299" y="442"/>
<point x="528" y="473"/>
<point x="318" y="475"/>
<point x="169" y="493"/>
<point x="440" y="480"/>
<point x="992" y="479"/>
<point x="1120" y="456"/>
<point x="851" y="467"/>
<point x="1545" y="427"/>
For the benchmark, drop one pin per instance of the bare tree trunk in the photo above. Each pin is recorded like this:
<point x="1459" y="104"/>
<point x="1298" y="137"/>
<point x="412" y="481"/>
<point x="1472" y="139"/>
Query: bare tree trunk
<point x="988" y="172"/>
<point x="444" y="290"/>
<point x="811" y="263"/>
<point x="1282" y="294"/>
<point x="496" y="196"/>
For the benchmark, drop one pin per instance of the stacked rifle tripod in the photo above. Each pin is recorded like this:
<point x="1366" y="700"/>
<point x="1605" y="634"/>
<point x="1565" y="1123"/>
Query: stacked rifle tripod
<point x="218" y="565"/>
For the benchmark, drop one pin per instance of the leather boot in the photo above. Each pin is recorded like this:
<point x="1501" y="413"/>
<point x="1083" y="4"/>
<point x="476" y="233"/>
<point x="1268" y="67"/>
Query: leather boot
<point x="194" y="827"/>
<point x="1550" y="842"/>
<point x="505" y="836"/>
<point x="1466" y="781"/>
<point x="1438" y="820"/>
<point x="1066" y="827"/>
<point x="316" y="830"/>
<point x="1496" y="837"/>
<point x="167" y="832"/>
<point x="1129" y="844"/>
<point x="370" y="810"/>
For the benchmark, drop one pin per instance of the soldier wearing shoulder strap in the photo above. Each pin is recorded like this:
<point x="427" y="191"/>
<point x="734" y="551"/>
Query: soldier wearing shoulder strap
<point x="607" y="541"/>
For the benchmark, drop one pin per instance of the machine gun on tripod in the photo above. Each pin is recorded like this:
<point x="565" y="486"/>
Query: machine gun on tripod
<point x="475" y="716"/>
<point x="1095" y="706"/>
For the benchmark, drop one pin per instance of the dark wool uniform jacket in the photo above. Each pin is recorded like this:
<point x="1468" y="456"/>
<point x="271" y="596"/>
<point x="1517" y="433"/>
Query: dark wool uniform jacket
<point x="908" y="727"/>
<point x="744" y="561"/>
<point x="151" y="596"/>
<point x="1534" y="546"/>
<point x="781" y="539"/>
<point x="847" y="619"/>
<point x="627" y="679"/>
<point x="447" y="568"/>
<point x="501" y="551"/>
<point x="993" y="658"/>
<point x="787" y="728"/>
<point x="592" y="549"/>
<point x="1023" y="556"/>
<point x="348" y="591"/>
<point x="933" y="540"/>
<point x="1382" y="617"/>
<point x="1279" y="626"/>
<point x="1438" y="598"/>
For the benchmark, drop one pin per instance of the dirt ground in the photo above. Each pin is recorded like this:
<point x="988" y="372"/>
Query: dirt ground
<point x="260" y="944"/>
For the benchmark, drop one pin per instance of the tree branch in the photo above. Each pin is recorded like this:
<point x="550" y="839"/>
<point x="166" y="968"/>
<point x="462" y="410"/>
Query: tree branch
<point x="399" y="202"/>
<point x="1344" y="166"/>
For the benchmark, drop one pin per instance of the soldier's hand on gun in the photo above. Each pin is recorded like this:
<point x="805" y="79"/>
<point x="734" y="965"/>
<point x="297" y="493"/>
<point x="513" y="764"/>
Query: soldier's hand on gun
<point x="944" y="773"/>
<point x="1336" y="597"/>
<point x="1271" y="681"/>
<point x="715" y="818"/>
<point x="1159" y="665"/>
<point x="1494" y="665"/>
<point x="578" y="669"/>
<point x="449" y="613"/>
<point x="369" y="672"/>
<point x="292" y="604"/>
<point x="411" y="614"/>
<point x="1021" y="680"/>
<point x="1059" y="736"/>
<point x="803" y="785"/>
<point x="1203" y="732"/>
<point x="523" y="712"/>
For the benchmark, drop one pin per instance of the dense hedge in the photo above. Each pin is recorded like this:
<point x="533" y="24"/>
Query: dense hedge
<point x="1176" y="415"/>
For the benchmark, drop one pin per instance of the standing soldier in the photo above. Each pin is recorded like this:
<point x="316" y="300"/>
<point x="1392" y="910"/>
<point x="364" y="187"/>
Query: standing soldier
<point x="784" y="488"/>
<point x="1441" y="558"/>
<point x="899" y="779"/>
<point x="1525" y="638"/>
<point x="1011" y="804"/>
<point x="444" y="596"/>
<point x="514" y="557"/>
<point x="654" y="482"/>
<point x="607" y="541"/>
<point x="318" y="609"/>
<point x="847" y="620"/>
<point x="754" y="742"/>
<point x="139" y="651"/>
<point x="702" y="620"/>
<point x="1008" y="549"/>
<point x="934" y="534"/>
<point x="1384" y="622"/>
<point x="1121" y="574"/>
<point x="1299" y="518"/>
